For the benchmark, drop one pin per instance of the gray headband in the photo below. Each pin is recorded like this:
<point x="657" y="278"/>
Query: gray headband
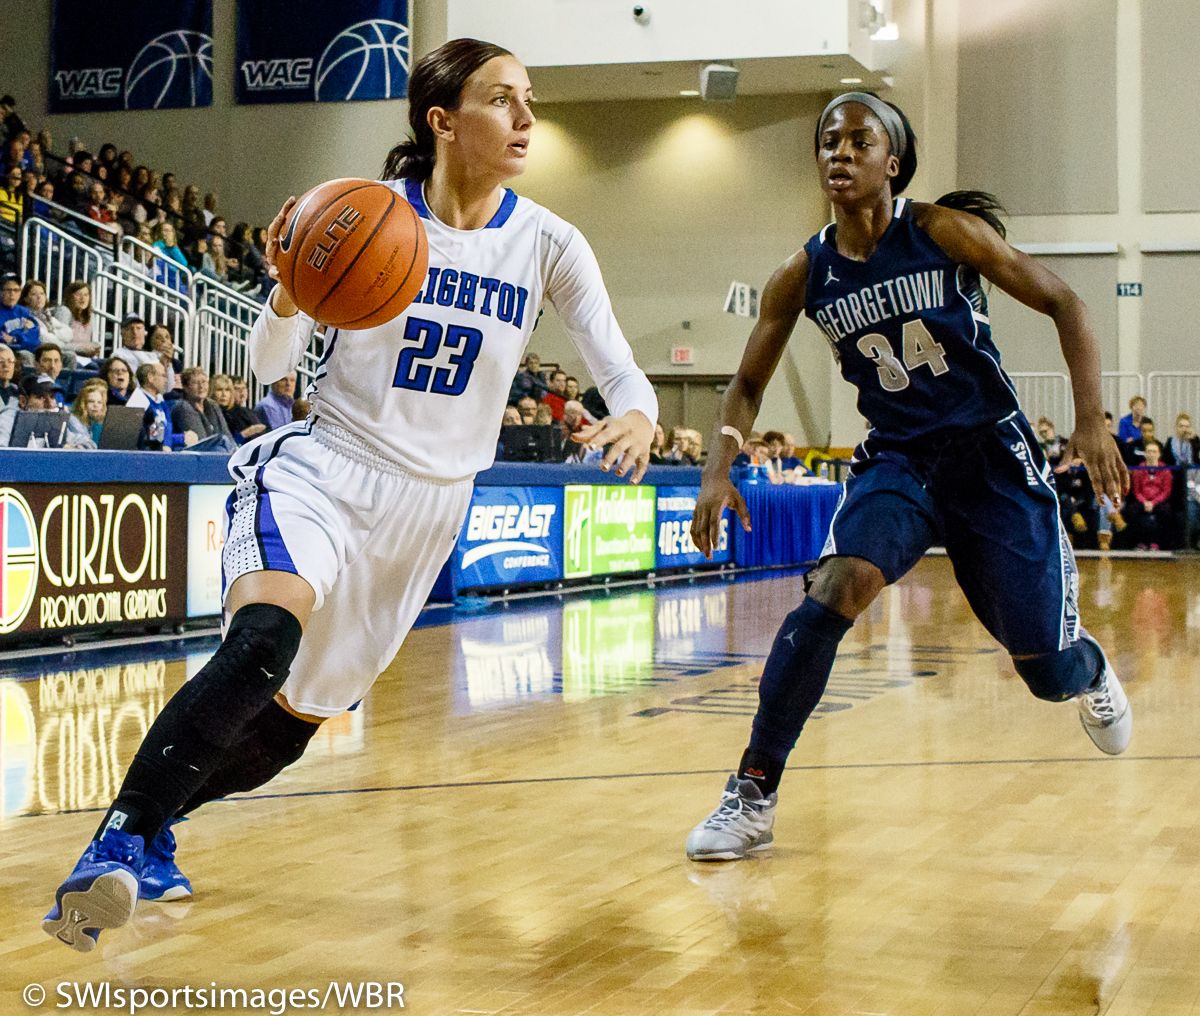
<point x="887" y="116"/>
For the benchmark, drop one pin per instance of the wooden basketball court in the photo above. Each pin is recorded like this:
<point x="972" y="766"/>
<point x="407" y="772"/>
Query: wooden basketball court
<point x="500" y="827"/>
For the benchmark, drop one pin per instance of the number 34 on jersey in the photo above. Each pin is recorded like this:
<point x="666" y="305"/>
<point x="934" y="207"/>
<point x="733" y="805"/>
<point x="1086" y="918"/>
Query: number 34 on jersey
<point x="919" y="349"/>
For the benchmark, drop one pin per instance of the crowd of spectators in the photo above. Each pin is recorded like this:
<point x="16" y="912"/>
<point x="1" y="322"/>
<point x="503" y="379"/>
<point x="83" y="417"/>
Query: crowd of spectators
<point x="1162" y="508"/>
<point x="123" y="198"/>
<point x="48" y="364"/>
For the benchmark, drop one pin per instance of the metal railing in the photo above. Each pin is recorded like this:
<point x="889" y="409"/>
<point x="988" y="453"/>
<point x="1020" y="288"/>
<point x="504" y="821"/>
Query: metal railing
<point x="58" y="256"/>
<point x="1118" y="387"/>
<point x="1170" y="392"/>
<point x="1046" y="393"/>
<point x="119" y="290"/>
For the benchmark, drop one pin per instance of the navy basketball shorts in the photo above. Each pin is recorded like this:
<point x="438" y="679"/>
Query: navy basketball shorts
<point x="989" y="497"/>
<point x="368" y="536"/>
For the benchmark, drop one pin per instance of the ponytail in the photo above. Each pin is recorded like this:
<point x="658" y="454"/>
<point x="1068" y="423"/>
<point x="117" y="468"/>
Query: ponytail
<point x="979" y="203"/>
<point x="408" y="161"/>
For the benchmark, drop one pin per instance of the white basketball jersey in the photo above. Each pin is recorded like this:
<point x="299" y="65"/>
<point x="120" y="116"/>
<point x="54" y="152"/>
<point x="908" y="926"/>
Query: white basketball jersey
<point x="428" y="388"/>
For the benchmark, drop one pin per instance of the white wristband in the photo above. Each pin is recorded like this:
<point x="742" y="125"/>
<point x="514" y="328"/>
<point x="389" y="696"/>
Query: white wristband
<point x="734" y="433"/>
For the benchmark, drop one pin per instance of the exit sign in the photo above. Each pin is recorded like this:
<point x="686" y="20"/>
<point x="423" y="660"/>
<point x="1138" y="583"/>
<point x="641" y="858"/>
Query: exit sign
<point x="1129" y="289"/>
<point x="682" y="356"/>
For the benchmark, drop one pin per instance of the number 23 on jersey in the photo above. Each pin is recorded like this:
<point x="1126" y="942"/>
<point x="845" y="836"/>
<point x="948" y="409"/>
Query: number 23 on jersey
<point x="416" y="374"/>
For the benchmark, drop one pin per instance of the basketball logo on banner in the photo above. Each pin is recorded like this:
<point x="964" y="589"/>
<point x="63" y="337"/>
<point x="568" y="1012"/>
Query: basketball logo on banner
<point x="172" y="71"/>
<point x="367" y="59"/>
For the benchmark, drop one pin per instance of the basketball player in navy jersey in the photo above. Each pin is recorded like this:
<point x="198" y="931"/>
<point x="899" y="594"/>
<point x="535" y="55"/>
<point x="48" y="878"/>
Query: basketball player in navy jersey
<point x="896" y="287"/>
<point x="339" y="525"/>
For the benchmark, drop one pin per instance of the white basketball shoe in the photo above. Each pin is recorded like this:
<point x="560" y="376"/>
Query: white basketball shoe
<point x="1104" y="710"/>
<point x="740" y="825"/>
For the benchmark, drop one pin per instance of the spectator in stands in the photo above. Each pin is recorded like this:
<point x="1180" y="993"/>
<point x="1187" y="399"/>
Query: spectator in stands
<point x="260" y="239"/>
<point x="556" y="396"/>
<point x="19" y="328"/>
<point x="116" y="374"/>
<point x="1053" y="446"/>
<point x="133" y="343"/>
<point x="275" y="408"/>
<point x="511" y="417"/>
<point x="1182" y="451"/>
<point x="1150" y="496"/>
<point x="527" y="407"/>
<point x="679" y="453"/>
<point x="197" y="412"/>
<point x="14" y="155"/>
<point x="780" y="459"/>
<point x="213" y="261"/>
<point x="1135" y="451"/>
<point x="45" y="192"/>
<point x="528" y="380"/>
<point x="158" y="431"/>
<point x="210" y="209"/>
<point x="574" y="418"/>
<point x="35" y="159"/>
<point x="300" y="410"/>
<point x="49" y="359"/>
<point x="572" y="390"/>
<point x="8" y="370"/>
<point x="38" y="394"/>
<point x="33" y="296"/>
<point x="76" y="196"/>
<point x="658" y="445"/>
<point x="161" y="342"/>
<point x="165" y="242"/>
<point x="98" y="211"/>
<point x="242" y="422"/>
<point x="542" y="417"/>
<point x="91" y="407"/>
<point x="148" y="209"/>
<point x="10" y="196"/>
<point x="1129" y="429"/>
<point x="1182" y="447"/>
<point x="194" y="228"/>
<point x="76" y="313"/>
<point x="241" y="393"/>
<point x="13" y="124"/>
<point x="252" y="264"/>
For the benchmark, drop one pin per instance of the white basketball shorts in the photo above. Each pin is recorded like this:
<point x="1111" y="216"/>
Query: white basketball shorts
<point x="369" y="537"/>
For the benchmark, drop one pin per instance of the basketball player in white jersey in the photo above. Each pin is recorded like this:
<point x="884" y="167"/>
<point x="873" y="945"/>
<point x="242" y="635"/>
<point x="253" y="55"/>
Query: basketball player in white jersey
<point x="339" y="525"/>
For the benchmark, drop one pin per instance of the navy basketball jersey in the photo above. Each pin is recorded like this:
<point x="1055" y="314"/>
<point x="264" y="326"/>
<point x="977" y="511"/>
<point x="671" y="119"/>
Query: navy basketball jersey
<point x="910" y="331"/>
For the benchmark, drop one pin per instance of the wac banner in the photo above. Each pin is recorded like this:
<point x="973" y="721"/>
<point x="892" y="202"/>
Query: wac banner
<point x="315" y="51"/>
<point x="130" y="54"/>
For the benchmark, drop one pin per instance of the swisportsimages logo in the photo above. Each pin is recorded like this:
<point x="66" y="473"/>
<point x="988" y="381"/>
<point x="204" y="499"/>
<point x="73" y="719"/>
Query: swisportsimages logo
<point x="18" y="559"/>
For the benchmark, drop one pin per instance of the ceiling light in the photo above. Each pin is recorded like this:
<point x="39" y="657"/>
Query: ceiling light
<point x="689" y="92"/>
<point x="852" y="81"/>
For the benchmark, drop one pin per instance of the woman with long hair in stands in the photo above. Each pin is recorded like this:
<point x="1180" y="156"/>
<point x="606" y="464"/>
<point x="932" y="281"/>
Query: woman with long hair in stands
<point x="115" y="373"/>
<point x="339" y="524"/>
<point x="76" y="313"/>
<point x="897" y="286"/>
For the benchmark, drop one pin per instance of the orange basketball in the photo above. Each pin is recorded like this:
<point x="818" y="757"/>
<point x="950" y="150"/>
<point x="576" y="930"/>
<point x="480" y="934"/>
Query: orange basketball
<point x="353" y="254"/>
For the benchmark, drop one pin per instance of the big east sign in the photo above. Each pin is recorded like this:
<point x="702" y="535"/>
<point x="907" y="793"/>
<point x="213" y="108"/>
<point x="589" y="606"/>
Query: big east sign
<point x="108" y="554"/>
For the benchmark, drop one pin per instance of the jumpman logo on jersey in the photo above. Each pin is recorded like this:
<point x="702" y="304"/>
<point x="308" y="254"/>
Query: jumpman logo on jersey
<point x="791" y="638"/>
<point x="831" y="277"/>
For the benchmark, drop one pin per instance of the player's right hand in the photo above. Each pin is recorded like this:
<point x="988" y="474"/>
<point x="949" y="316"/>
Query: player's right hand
<point x="273" y="231"/>
<point x="715" y="496"/>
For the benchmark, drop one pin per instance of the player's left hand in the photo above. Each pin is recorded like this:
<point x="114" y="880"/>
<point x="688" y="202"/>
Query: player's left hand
<point x="1093" y="447"/>
<point x="628" y="439"/>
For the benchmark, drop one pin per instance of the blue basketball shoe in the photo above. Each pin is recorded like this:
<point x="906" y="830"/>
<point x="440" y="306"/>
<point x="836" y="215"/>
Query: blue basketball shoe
<point x="100" y="893"/>
<point x="160" y="877"/>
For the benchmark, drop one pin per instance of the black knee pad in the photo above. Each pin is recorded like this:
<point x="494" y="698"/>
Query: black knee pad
<point x="276" y="741"/>
<point x="244" y="674"/>
<point x="1056" y="677"/>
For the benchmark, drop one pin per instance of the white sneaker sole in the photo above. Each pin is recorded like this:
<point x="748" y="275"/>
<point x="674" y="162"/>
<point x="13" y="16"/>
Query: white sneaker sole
<point x="107" y="903"/>
<point x="732" y="855"/>
<point x="176" y="892"/>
